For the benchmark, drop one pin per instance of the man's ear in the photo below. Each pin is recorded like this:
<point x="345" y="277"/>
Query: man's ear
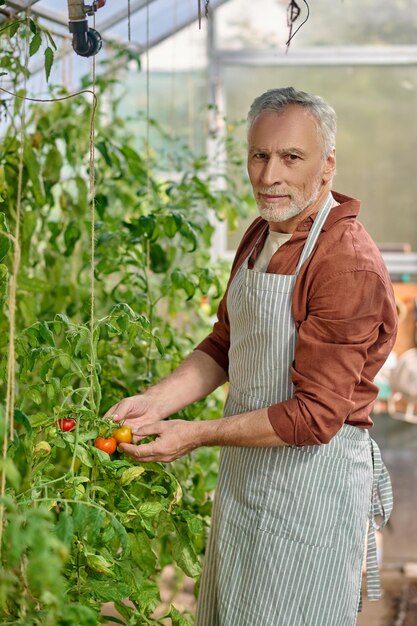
<point x="330" y="166"/>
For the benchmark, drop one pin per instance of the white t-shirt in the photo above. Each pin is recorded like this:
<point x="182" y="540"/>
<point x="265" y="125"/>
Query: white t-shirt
<point x="272" y="243"/>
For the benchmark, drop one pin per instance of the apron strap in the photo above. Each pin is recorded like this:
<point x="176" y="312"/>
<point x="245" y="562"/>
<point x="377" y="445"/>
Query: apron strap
<point x="315" y="231"/>
<point x="381" y="507"/>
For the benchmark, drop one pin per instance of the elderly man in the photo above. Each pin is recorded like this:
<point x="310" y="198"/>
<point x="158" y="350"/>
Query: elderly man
<point x="307" y="321"/>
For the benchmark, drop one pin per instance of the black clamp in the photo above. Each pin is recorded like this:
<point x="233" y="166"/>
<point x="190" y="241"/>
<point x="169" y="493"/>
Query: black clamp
<point x="86" y="41"/>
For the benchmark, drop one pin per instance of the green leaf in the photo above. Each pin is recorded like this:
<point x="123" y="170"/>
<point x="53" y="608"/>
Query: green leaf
<point x="46" y="334"/>
<point x="4" y="241"/>
<point x="181" y="281"/>
<point x="35" y="395"/>
<point x="21" y="418"/>
<point x="14" y="27"/>
<point x="40" y="419"/>
<point x="150" y="509"/>
<point x="120" y="531"/>
<point x="184" y="554"/>
<point x="142" y="553"/>
<point x="65" y="361"/>
<point x="49" y="60"/>
<point x="71" y="236"/>
<point x="100" y="454"/>
<point x="103" y="149"/>
<point x="65" y="528"/>
<point x="84" y="456"/>
<point x="177" y="618"/>
<point x="82" y="194"/>
<point x="190" y="235"/>
<point x="80" y="614"/>
<point x="172" y="223"/>
<point x="31" y="283"/>
<point x="12" y="473"/>
<point x="51" y="172"/>
<point x="148" y="597"/>
<point x="131" y="474"/>
<point x="109" y="592"/>
<point x="33" y="26"/>
<point x="135" y="163"/>
<point x="158" y="258"/>
<point x="89" y="435"/>
<point x="146" y="225"/>
<point x="99" y="564"/>
<point x="51" y="40"/>
<point x="33" y="167"/>
<point x="35" y="44"/>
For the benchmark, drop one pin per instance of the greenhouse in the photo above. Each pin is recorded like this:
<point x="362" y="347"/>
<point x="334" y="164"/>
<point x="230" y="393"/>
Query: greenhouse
<point x="208" y="359"/>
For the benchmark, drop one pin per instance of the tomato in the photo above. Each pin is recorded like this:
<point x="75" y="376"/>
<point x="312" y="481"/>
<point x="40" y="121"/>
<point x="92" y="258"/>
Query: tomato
<point x="107" y="444"/>
<point x="66" y="424"/>
<point x="122" y="434"/>
<point x="42" y="448"/>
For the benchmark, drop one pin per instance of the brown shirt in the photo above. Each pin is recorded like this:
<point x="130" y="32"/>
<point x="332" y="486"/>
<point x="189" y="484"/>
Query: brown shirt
<point x="345" y="315"/>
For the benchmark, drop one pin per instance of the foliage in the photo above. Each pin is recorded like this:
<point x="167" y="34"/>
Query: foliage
<point x="104" y="526"/>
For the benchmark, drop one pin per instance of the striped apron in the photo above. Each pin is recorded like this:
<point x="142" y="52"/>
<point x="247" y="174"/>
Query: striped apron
<point x="287" y="541"/>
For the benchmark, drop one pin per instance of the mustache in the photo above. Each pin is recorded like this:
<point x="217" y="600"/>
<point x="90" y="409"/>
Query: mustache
<point x="274" y="191"/>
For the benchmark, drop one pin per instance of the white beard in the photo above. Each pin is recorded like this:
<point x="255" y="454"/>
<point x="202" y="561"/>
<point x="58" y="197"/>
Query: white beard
<point x="298" y="202"/>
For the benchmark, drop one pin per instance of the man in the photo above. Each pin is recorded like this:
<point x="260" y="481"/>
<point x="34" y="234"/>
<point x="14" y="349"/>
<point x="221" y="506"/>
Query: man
<point x="307" y="321"/>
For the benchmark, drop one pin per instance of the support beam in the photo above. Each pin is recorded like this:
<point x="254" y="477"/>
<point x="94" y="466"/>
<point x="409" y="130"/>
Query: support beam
<point x="122" y="14"/>
<point x="323" y="55"/>
<point x="20" y="5"/>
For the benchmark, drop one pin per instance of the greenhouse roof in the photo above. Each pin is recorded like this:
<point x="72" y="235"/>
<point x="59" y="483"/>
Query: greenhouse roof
<point x="139" y="23"/>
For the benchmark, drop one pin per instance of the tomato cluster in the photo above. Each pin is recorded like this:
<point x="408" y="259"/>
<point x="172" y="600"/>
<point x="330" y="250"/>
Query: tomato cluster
<point x="109" y="444"/>
<point x="123" y="434"/>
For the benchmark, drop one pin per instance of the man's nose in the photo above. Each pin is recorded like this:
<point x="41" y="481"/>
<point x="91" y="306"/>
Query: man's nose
<point x="272" y="172"/>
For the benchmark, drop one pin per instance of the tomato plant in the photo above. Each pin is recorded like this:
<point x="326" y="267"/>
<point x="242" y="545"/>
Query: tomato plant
<point x="106" y="444"/>
<point x="122" y="434"/>
<point x="106" y="527"/>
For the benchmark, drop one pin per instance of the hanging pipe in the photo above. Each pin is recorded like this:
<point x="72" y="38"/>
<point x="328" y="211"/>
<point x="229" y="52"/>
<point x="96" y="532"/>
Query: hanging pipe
<point x="85" y="41"/>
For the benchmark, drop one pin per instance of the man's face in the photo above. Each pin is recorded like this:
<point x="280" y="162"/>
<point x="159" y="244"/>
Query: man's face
<point x="289" y="176"/>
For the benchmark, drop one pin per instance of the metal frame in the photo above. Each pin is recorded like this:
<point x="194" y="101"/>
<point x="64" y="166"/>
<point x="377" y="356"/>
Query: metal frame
<point x="123" y="13"/>
<point x="106" y="24"/>
<point x="323" y="55"/>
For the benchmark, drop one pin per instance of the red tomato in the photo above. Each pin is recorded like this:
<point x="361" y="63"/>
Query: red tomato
<point x="107" y="444"/>
<point x="122" y="434"/>
<point x="66" y="424"/>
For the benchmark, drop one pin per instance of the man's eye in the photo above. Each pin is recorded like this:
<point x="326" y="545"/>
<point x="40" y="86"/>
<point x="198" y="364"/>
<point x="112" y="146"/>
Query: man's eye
<point x="292" y="157"/>
<point x="261" y="156"/>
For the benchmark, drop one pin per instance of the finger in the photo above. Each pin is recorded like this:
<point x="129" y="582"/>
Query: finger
<point x="153" y="428"/>
<point x="146" y="452"/>
<point x="119" y="412"/>
<point x="113" y="412"/>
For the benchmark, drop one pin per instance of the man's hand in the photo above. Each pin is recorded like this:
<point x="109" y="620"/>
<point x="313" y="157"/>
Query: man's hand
<point x="174" y="439"/>
<point x="136" y="411"/>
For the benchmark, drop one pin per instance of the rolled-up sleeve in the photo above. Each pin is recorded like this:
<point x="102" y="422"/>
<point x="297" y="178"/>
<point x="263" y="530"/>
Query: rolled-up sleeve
<point x="348" y="332"/>
<point x="217" y="343"/>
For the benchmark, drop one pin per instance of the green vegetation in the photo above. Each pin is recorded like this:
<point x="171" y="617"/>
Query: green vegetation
<point x="81" y="528"/>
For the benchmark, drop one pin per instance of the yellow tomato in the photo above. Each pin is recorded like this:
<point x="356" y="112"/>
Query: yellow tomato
<point x="122" y="434"/>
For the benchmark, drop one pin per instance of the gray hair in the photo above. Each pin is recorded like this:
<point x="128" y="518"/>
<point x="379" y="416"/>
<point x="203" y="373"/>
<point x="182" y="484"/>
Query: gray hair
<point x="278" y="99"/>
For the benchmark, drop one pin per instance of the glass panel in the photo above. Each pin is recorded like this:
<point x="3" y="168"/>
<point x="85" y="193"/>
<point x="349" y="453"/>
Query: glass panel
<point x="263" y="24"/>
<point x="377" y="135"/>
<point x="176" y="102"/>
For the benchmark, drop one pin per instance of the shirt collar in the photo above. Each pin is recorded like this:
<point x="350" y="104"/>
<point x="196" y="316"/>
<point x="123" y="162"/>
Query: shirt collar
<point x="348" y="207"/>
